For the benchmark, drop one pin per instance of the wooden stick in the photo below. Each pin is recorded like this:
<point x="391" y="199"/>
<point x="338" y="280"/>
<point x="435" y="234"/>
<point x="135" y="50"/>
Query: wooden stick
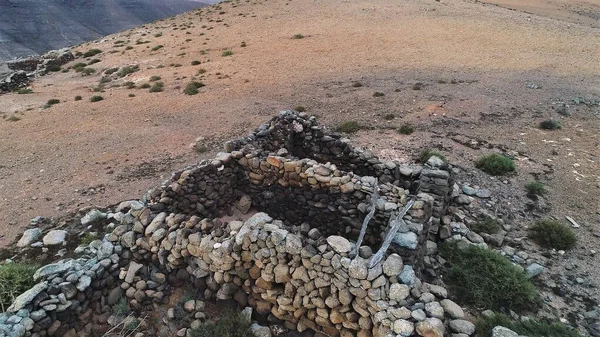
<point x="395" y="223"/>
<point x="363" y="229"/>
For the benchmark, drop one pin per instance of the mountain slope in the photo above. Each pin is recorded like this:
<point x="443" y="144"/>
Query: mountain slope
<point x="35" y="26"/>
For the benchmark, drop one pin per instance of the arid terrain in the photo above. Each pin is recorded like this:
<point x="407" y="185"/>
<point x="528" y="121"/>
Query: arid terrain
<point x="488" y="76"/>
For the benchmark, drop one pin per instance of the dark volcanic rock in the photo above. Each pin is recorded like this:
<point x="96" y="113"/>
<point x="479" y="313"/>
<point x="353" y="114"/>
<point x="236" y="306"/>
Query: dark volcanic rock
<point x="30" y="27"/>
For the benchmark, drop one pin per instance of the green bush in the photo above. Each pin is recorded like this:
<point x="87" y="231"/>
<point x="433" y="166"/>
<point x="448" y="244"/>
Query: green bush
<point x="111" y="71"/>
<point x="378" y="94"/>
<point x="121" y="308"/>
<point x="15" y="278"/>
<point x="53" y="101"/>
<point x="300" y="108"/>
<point x="196" y="62"/>
<point x="535" y="188"/>
<point x="155" y="48"/>
<point x="406" y="129"/>
<point x="486" y="225"/>
<point x="128" y="70"/>
<point x="157" y="87"/>
<point x="298" y="36"/>
<point x="129" y="85"/>
<point x="531" y="328"/>
<point x="485" y="279"/>
<point x="87" y="71"/>
<point x="356" y="84"/>
<point x="495" y="164"/>
<point x="229" y="324"/>
<point x="129" y="48"/>
<point x="131" y="95"/>
<point x="96" y="98"/>
<point x="145" y="86"/>
<point x="552" y="234"/>
<point x="78" y="98"/>
<point x="349" y="127"/>
<point x="92" y="52"/>
<point x="550" y="124"/>
<point x="94" y="61"/>
<point x="155" y="78"/>
<point x="417" y="86"/>
<point x="78" y="67"/>
<point x="53" y="68"/>
<point x="24" y="91"/>
<point x="428" y="153"/>
<point x="192" y="88"/>
<point x="227" y="53"/>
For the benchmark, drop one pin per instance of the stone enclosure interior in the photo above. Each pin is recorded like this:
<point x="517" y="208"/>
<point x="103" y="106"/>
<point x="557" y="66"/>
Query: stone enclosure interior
<point x="292" y="260"/>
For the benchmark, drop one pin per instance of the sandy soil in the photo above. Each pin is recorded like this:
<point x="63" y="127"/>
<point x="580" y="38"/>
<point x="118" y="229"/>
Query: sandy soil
<point x="476" y="62"/>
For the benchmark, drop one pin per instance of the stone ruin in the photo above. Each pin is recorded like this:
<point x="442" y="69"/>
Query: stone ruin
<point x="272" y="224"/>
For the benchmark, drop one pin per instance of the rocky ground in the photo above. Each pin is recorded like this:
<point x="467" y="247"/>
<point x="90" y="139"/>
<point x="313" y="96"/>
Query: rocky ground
<point x="471" y="78"/>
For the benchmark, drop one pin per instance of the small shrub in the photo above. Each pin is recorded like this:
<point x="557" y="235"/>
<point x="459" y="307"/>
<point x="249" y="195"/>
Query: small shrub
<point x="229" y="324"/>
<point x="300" y="108"/>
<point x="145" y="86"/>
<point x="128" y="70"/>
<point x="563" y="110"/>
<point x="15" y="278"/>
<point x="201" y="71"/>
<point x="349" y="127"/>
<point x="158" y="35"/>
<point x="157" y="87"/>
<point x="196" y="62"/>
<point x="389" y="117"/>
<point x="52" y="101"/>
<point x="87" y="238"/>
<point x="550" y="124"/>
<point x="105" y="79"/>
<point x="129" y="85"/>
<point x="378" y="94"/>
<point x="406" y="129"/>
<point x="78" y="67"/>
<point x="535" y="188"/>
<point x="155" y="48"/>
<point x="129" y="48"/>
<point x="485" y="279"/>
<point x="92" y="52"/>
<point x="87" y="71"/>
<point x="192" y="88"/>
<point x="53" y="68"/>
<point x="96" y="98"/>
<point x="111" y="71"/>
<point x="356" y="84"/>
<point x="531" y="328"/>
<point x="552" y="234"/>
<point x="13" y="118"/>
<point x="94" y="61"/>
<point x="121" y="308"/>
<point x="486" y="225"/>
<point x="24" y="91"/>
<point x="227" y="53"/>
<point x="495" y="164"/>
<point x="243" y="44"/>
<point x="417" y="86"/>
<point x="298" y="37"/>
<point x="155" y="78"/>
<point x="131" y="95"/>
<point x="428" y="153"/>
<point x="78" y="98"/>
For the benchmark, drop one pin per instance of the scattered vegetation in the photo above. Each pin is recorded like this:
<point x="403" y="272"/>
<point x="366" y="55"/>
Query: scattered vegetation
<point x="94" y="61"/>
<point x="550" y="124"/>
<point x="129" y="85"/>
<point x="298" y="37"/>
<point x="300" y="108"/>
<point x="531" y="327"/>
<point x="227" y="53"/>
<point x="552" y="234"/>
<point x="406" y="129"/>
<point x="155" y="48"/>
<point x="53" y="68"/>
<point x="128" y="70"/>
<point x="87" y="71"/>
<point x="157" y="87"/>
<point x="349" y="127"/>
<point x="145" y="86"/>
<point x="378" y="94"/>
<point x="389" y="117"/>
<point x="428" y="153"/>
<point x="495" y="164"/>
<point x="78" y="98"/>
<point x="417" y="86"/>
<point x="111" y="71"/>
<point x="52" y="101"/>
<point x="131" y="95"/>
<point x="192" y="88"/>
<point x="13" y="118"/>
<point x="87" y="238"/>
<point x="96" y="98"/>
<point x="356" y="84"/>
<point x="535" y="188"/>
<point x="485" y="279"/>
<point x="486" y="225"/>
<point x="563" y="110"/>
<point x="229" y="324"/>
<point x="155" y="78"/>
<point x="15" y="278"/>
<point x="196" y="62"/>
<point x="243" y="44"/>
<point x="129" y="48"/>
<point x="92" y="52"/>
<point x="121" y="308"/>
<point x="78" y="67"/>
<point x="24" y="91"/>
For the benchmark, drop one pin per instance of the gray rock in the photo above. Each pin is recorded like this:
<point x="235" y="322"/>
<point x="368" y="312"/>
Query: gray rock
<point x="399" y="292"/>
<point x="157" y="222"/>
<point x="133" y="205"/>
<point x="84" y="283"/>
<point x="55" y="237"/>
<point x="358" y="269"/>
<point x="25" y="298"/>
<point x="128" y="239"/>
<point x="484" y="193"/>
<point x="92" y="216"/>
<point x="468" y="190"/>
<point x="418" y="315"/>
<point x="452" y="309"/>
<point x="134" y="267"/>
<point x="260" y="331"/>
<point x="339" y="244"/>
<point x="462" y="326"/>
<point x="534" y="270"/>
<point x="407" y="240"/>
<point x="408" y="275"/>
<point x="393" y="265"/>
<point x="430" y="327"/>
<point x="500" y="331"/>
<point x="29" y="237"/>
<point x="105" y="250"/>
<point x="244" y="204"/>
<point x="463" y="199"/>
<point x="403" y="327"/>
<point x="51" y="269"/>
<point x="434" y="309"/>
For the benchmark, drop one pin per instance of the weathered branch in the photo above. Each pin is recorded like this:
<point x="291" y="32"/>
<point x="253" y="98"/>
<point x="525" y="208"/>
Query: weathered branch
<point x="395" y="222"/>
<point x="363" y="229"/>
